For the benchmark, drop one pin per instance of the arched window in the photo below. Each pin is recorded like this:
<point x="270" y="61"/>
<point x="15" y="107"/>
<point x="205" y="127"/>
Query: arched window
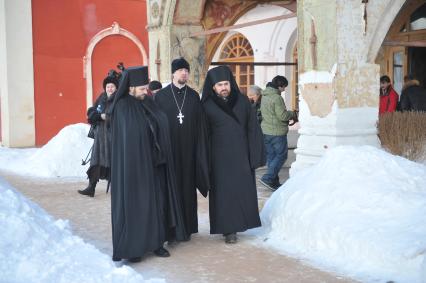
<point x="418" y="18"/>
<point x="237" y="49"/>
<point x="404" y="51"/>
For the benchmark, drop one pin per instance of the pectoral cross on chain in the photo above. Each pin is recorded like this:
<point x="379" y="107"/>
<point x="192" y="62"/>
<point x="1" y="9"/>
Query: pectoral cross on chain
<point x="180" y="117"/>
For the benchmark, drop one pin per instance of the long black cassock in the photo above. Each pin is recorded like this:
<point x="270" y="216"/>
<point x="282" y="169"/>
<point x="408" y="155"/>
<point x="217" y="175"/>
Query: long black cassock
<point x="144" y="204"/>
<point x="236" y="150"/>
<point x="188" y="145"/>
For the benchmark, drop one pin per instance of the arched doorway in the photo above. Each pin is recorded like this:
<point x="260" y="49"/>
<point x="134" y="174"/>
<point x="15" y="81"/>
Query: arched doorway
<point x="107" y="53"/>
<point x="404" y="48"/>
<point x="237" y="49"/>
<point x="114" y="30"/>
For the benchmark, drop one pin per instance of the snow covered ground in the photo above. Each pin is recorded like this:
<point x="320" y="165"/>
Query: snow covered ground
<point x="60" y="157"/>
<point x="361" y="212"/>
<point x="36" y="248"/>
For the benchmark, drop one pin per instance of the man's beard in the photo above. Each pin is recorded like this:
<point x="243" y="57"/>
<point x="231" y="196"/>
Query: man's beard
<point x="182" y="81"/>
<point x="224" y="93"/>
<point x="140" y="96"/>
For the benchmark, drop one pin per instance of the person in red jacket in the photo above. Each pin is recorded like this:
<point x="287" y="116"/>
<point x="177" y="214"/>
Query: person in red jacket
<point x="388" y="96"/>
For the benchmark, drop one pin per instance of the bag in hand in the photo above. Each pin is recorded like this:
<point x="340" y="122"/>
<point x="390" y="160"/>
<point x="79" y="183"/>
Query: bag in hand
<point x="91" y="133"/>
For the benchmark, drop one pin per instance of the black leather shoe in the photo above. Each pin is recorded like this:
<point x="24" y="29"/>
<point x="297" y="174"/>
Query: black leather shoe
<point x="135" y="259"/>
<point x="270" y="186"/>
<point x="114" y="258"/>
<point x="89" y="191"/>
<point x="231" y="238"/>
<point x="276" y="186"/>
<point x="162" y="252"/>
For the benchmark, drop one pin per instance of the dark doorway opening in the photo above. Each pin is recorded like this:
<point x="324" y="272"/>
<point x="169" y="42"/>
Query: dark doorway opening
<point x="417" y="63"/>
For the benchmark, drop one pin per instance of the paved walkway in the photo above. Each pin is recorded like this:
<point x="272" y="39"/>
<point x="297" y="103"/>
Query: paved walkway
<point x="204" y="259"/>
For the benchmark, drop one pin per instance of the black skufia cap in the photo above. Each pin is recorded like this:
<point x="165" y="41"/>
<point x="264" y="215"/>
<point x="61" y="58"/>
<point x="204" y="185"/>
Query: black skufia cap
<point x="138" y="76"/>
<point x="179" y="63"/>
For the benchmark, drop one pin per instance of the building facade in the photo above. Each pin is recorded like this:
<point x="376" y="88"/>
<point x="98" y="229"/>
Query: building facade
<point x="332" y="51"/>
<point x="54" y="57"/>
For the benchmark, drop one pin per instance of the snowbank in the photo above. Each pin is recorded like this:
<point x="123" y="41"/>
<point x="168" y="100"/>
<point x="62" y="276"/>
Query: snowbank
<point x="360" y="212"/>
<point x="60" y="157"/>
<point x="35" y="248"/>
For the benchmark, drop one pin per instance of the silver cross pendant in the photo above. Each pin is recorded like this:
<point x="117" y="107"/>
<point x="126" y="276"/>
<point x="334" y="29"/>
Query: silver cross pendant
<point x="180" y="117"/>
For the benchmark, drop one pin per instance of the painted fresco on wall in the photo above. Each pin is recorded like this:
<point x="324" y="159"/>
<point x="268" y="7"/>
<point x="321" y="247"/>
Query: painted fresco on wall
<point x="220" y="13"/>
<point x="189" y="12"/>
<point x="155" y="12"/>
<point x="193" y="50"/>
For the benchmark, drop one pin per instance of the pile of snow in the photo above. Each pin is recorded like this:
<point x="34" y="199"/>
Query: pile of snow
<point x="360" y="211"/>
<point x="60" y="157"/>
<point x="35" y="248"/>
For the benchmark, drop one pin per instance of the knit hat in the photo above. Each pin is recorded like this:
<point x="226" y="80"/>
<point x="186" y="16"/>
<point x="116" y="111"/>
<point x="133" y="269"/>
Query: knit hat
<point x="179" y="63"/>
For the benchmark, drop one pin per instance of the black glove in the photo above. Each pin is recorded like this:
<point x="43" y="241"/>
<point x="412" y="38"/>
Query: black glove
<point x="93" y="116"/>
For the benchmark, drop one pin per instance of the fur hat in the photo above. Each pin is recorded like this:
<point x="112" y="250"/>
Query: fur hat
<point x="179" y="63"/>
<point x="110" y="80"/>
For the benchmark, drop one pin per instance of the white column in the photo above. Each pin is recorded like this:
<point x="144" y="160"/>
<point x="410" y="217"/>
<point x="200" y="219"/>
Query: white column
<point x="16" y="74"/>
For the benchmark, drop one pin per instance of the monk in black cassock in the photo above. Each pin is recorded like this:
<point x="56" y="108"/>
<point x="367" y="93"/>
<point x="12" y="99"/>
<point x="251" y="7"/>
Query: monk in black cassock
<point x="145" y="208"/>
<point x="183" y="108"/>
<point x="236" y="150"/>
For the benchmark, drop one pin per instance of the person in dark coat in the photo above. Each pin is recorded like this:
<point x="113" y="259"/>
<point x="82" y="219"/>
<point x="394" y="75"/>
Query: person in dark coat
<point x="155" y="86"/>
<point x="183" y="108"/>
<point x="145" y="209"/>
<point x="254" y="94"/>
<point x="100" y="156"/>
<point x="413" y="96"/>
<point x="236" y="150"/>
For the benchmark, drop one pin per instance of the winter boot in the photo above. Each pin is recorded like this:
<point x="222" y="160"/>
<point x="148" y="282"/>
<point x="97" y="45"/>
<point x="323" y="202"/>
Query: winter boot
<point x="89" y="191"/>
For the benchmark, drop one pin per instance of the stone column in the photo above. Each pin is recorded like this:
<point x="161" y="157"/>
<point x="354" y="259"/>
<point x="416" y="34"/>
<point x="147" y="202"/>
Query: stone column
<point x="16" y="74"/>
<point x="169" y="40"/>
<point x="338" y="86"/>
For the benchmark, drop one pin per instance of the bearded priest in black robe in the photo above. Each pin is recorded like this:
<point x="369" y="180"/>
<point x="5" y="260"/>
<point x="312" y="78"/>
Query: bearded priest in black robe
<point x="145" y="209"/>
<point x="236" y="150"/>
<point x="182" y="106"/>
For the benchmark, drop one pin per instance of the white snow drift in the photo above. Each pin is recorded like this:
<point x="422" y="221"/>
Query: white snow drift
<point x="35" y="248"/>
<point x="360" y="211"/>
<point x="60" y="157"/>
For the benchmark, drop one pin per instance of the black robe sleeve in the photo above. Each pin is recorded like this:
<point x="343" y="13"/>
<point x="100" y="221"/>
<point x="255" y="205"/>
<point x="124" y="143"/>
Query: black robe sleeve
<point x="202" y="170"/>
<point x="161" y="138"/>
<point x="257" y="152"/>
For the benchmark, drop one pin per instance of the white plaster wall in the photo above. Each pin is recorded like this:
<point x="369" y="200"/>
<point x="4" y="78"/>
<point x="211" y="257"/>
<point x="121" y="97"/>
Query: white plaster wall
<point x="348" y="126"/>
<point x="16" y="74"/>
<point x="270" y="42"/>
